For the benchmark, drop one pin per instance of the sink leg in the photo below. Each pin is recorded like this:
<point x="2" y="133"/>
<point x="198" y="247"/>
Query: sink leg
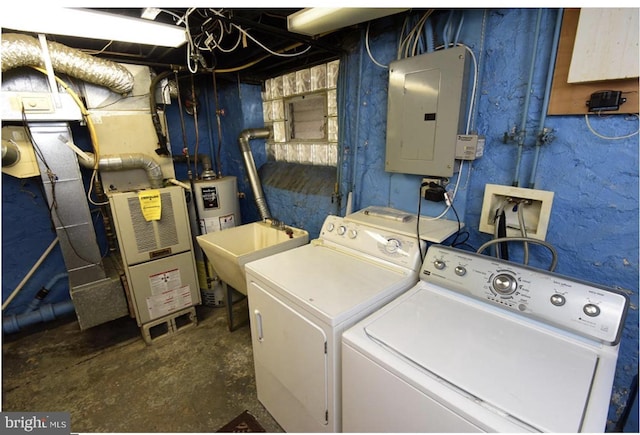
<point x="228" y="294"/>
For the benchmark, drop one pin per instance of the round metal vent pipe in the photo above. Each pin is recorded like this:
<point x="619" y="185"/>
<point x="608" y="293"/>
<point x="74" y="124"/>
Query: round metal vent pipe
<point x="252" y="172"/>
<point x="23" y="50"/>
<point x="123" y="162"/>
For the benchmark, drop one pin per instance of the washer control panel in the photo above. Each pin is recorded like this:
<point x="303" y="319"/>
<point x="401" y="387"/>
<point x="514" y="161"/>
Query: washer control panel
<point x="587" y="309"/>
<point x="373" y="242"/>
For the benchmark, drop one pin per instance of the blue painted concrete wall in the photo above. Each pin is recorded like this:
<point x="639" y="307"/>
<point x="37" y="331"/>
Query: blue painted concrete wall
<point x="594" y="219"/>
<point x="241" y="108"/>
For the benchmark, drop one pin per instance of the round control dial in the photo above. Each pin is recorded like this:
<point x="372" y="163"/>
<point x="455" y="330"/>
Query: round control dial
<point x="460" y="270"/>
<point x="353" y="234"/>
<point x="392" y="246"/>
<point x="558" y="300"/>
<point x="504" y="284"/>
<point x="591" y="310"/>
<point x="439" y="264"/>
<point x="330" y="227"/>
<point x="341" y="230"/>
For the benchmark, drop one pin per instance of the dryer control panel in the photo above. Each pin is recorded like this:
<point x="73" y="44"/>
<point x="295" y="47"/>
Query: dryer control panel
<point x="373" y="242"/>
<point x="590" y="310"/>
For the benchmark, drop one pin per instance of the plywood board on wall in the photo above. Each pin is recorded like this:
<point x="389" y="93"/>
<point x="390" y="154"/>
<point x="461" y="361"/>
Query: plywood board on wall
<point x="606" y="45"/>
<point x="571" y="98"/>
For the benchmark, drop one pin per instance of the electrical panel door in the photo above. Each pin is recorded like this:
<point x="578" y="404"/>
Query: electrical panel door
<point x="425" y="112"/>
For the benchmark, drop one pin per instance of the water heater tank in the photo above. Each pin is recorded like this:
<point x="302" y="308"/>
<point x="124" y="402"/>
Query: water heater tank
<point x="218" y="209"/>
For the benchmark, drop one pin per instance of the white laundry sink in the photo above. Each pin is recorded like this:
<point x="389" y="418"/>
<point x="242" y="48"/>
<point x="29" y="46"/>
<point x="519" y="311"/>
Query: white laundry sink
<point x="229" y="250"/>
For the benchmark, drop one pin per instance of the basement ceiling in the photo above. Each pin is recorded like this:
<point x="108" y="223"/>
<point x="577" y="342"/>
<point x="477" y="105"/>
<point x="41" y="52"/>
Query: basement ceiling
<point x="222" y="47"/>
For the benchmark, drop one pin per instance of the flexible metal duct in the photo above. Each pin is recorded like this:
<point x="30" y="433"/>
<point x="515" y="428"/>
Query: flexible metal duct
<point x="23" y="50"/>
<point x="123" y="162"/>
<point x="252" y="172"/>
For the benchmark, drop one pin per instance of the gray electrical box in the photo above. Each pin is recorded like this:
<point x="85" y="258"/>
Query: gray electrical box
<point x="426" y="112"/>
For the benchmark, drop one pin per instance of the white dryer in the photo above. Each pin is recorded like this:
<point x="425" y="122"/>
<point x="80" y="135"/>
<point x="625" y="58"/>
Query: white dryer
<point x="484" y="345"/>
<point x="300" y="302"/>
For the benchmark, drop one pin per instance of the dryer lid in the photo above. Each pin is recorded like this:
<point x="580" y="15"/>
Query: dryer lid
<point x="521" y="369"/>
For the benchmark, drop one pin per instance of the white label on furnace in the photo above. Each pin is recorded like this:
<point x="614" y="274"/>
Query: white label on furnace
<point x="169" y="301"/>
<point x="163" y="281"/>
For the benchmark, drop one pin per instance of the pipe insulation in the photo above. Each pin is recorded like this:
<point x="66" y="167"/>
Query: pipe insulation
<point x="23" y="50"/>
<point x="252" y="172"/>
<point x="121" y="162"/>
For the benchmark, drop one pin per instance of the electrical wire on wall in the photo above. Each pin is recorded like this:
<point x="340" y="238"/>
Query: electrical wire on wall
<point x="214" y="33"/>
<point x="53" y="180"/>
<point x="412" y="43"/>
<point x="601" y="136"/>
<point x="92" y="133"/>
<point x="472" y="103"/>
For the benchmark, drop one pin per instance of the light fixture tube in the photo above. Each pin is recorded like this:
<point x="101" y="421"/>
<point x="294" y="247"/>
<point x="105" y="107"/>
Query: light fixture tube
<point x="315" y="21"/>
<point x="85" y="23"/>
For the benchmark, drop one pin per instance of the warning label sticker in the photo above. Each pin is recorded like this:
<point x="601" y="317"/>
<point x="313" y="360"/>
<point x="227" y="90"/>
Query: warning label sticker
<point x="210" y="197"/>
<point x="169" y="301"/>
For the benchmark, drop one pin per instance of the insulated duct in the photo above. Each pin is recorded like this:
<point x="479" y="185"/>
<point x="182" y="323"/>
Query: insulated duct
<point x="23" y="50"/>
<point x="123" y="162"/>
<point x="252" y="172"/>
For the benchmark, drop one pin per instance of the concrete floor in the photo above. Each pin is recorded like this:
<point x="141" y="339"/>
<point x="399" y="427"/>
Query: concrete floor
<point x="110" y="380"/>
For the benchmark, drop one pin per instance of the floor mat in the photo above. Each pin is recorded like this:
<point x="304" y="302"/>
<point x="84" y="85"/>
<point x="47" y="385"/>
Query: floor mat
<point x="245" y="422"/>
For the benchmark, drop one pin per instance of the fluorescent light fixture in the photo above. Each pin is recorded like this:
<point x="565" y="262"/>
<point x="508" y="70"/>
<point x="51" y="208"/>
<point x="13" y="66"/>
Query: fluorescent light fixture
<point x="85" y="23"/>
<point x="150" y="13"/>
<point x="315" y="21"/>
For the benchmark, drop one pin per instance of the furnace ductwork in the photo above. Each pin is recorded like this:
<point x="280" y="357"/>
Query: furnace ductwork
<point x="23" y="50"/>
<point x="123" y="162"/>
<point x="252" y="172"/>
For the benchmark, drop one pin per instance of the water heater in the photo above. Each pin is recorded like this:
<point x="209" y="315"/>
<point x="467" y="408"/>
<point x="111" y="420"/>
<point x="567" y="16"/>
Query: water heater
<point x="218" y="208"/>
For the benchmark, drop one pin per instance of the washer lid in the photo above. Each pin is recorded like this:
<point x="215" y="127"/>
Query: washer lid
<point x="518" y="368"/>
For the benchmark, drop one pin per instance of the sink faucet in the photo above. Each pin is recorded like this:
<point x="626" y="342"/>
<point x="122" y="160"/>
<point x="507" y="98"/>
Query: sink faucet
<point x="278" y="224"/>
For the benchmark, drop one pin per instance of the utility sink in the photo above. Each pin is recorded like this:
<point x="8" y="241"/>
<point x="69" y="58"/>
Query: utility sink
<point x="229" y="250"/>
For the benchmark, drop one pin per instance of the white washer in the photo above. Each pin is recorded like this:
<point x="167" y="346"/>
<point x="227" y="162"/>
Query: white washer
<point x="300" y="302"/>
<point x="484" y="345"/>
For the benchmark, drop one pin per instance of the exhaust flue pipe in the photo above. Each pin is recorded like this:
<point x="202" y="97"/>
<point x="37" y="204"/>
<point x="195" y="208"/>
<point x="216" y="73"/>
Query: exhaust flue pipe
<point x="252" y="172"/>
<point x="121" y="162"/>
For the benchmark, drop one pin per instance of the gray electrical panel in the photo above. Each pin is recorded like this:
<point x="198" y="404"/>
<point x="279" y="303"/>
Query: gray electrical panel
<point x="426" y="111"/>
